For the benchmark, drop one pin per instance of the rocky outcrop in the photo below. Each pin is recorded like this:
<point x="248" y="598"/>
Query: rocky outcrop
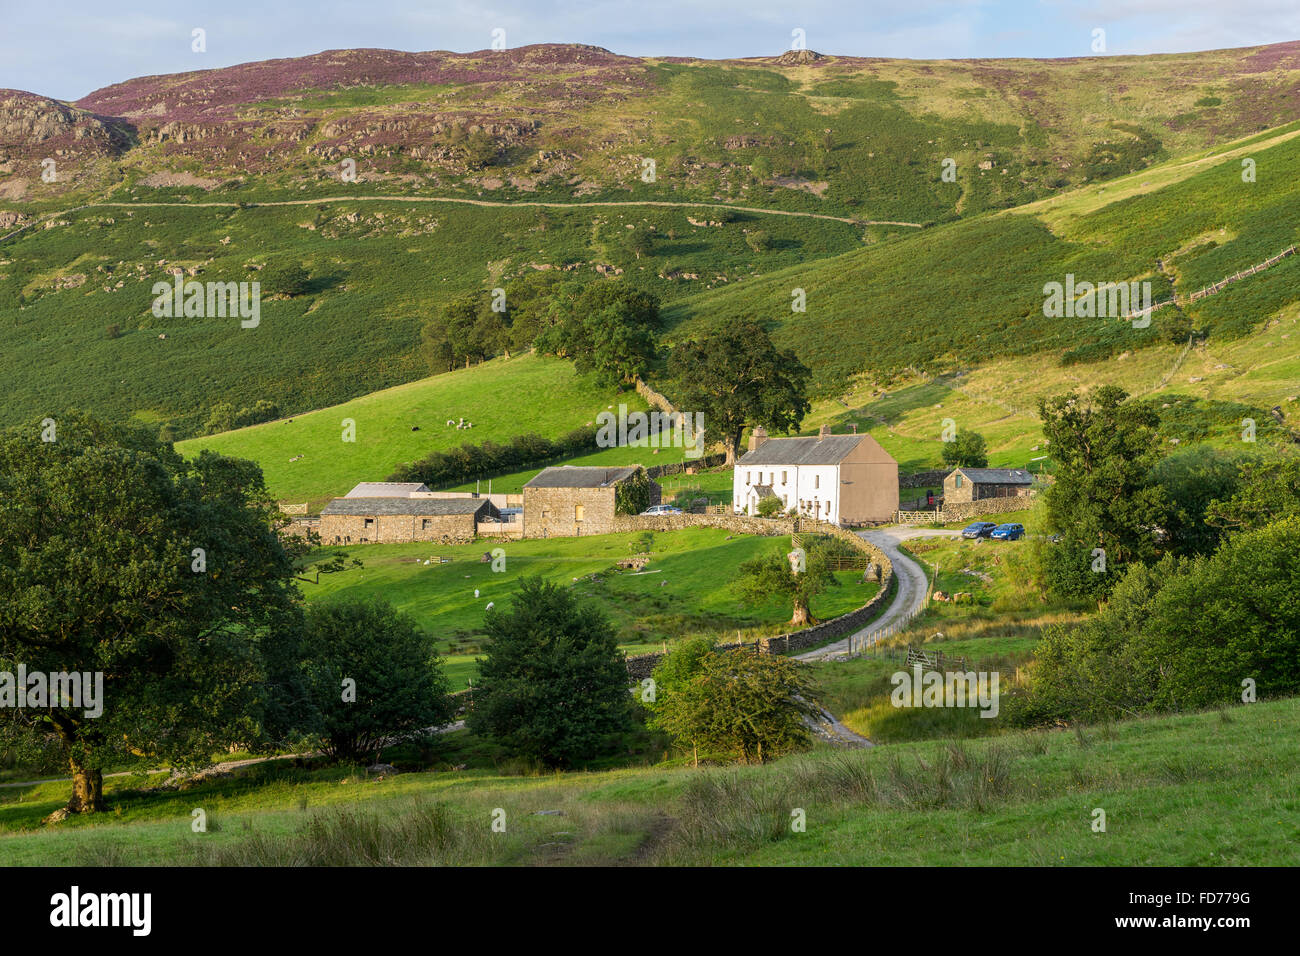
<point x="32" y="125"/>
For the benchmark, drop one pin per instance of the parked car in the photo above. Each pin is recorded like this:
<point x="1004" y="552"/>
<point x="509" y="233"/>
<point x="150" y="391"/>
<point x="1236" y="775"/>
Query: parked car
<point x="662" y="510"/>
<point x="1008" y="532"/>
<point x="979" y="529"/>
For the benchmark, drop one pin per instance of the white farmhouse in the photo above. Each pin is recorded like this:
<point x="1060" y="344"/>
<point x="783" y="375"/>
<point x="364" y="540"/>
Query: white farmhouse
<point x="843" y="479"/>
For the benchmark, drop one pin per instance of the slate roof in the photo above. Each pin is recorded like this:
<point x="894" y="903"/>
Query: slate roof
<point x="576" y="476"/>
<point x="385" y="489"/>
<point x="810" y="450"/>
<point x="998" y="476"/>
<point x="417" y="507"/>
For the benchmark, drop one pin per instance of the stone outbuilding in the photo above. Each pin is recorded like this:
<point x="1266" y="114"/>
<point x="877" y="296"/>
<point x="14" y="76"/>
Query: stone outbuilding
<point x="977" y="484"/>
<point x="570" y="500"/>
<point x="391" y="520"/>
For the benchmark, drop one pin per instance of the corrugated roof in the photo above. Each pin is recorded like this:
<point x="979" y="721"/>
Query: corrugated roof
<point x="416" y="507"/>
<point x="810" y="450"/>
<point x="385" y="489"/>
<point x="579" y="476"/>
<point x="998" y="476"/>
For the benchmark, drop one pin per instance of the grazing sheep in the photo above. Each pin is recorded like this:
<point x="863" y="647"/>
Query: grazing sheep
<point x="476" y="592"/>
<point x="491" y="605"/>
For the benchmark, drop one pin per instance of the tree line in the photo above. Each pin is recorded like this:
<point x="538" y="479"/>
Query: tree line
<point x="1190" y="558"/>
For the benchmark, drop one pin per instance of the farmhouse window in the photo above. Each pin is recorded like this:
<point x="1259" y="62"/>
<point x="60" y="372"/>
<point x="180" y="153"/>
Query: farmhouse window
<point x="817" y="481"/>
<point x="749" y="477"/>
<point x="783" y="478"/>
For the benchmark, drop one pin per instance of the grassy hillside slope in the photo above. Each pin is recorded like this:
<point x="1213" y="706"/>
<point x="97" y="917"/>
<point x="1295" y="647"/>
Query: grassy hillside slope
<point x="502" y="398"/>
<point x="1204" y="789"/>
<point x="378" y="272"/>
<point x="972" y="292"/>
<point x="860" y="139"/>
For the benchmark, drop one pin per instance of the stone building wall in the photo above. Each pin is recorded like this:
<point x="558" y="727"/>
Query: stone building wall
<point x="551" y="512"/>
<point x="396" y="529"/>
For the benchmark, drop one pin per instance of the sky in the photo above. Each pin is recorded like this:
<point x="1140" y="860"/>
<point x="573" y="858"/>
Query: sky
<point x="67" y="48"/>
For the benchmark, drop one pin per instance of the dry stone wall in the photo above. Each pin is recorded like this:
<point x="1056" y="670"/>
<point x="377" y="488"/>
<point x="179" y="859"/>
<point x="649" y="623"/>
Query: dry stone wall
<point x="961" y="510"/>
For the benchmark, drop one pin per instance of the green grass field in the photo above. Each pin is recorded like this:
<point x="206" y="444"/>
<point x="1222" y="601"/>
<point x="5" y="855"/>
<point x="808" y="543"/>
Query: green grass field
<point x="1203" y="789"/>
<point x="492" y="396"/>
<point x="684" y="591"/>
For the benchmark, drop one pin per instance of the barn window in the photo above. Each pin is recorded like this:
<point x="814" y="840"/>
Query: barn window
<point x="426" y="524"/>
<point x="958" y="480"/>
<point x="577" y="512"/>
<point x="370" y="523"/>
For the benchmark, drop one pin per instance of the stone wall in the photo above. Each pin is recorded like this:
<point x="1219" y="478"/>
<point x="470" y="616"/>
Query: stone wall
<point x="740" y="524"/>
<point x="924" y="479"/>
<point x="655" y="399"/>
<point x="396" y="529"/>
<point x="552" y="512"/>
<point x="961" y="510"/>
<point x="677" y="468"/>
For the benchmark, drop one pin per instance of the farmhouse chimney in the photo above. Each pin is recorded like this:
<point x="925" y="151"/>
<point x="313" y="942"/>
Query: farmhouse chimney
<point x="757" y="437"/>
<point x="824" y="433"/>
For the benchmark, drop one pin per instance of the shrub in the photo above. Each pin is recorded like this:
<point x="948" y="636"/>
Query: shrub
<point x="399" y="684"/>
<point x="553" y="685"/>
<point x="750" y="707"/>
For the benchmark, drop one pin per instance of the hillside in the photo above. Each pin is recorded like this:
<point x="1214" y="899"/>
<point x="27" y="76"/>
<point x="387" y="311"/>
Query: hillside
<point x="1200" y="789"/>
<point x="405" y="423"/>
<point x="850" y="135"/>
<point x="475" y="169"/>
<point x="932" y="302"/>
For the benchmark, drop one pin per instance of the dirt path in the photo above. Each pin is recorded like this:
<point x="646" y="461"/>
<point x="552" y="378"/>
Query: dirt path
<point x="465" y="202"/>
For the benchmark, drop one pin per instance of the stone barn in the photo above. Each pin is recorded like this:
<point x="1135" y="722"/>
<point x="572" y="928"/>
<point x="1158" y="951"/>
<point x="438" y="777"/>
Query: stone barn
<point x="391" y="520"/>
<point x="976" y="484"/>
<point x="570" y="500"/>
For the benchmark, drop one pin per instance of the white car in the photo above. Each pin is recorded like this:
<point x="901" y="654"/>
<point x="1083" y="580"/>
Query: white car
<point x="662" y="510"/>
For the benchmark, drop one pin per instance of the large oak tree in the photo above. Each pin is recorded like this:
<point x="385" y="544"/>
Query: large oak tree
<point x="166" y="576"/>
<point x="735" y="377"/>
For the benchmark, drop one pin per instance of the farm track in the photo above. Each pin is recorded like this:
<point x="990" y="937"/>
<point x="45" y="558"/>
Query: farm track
<point x="910" y="598"/>
<point x="465" y="202"/>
